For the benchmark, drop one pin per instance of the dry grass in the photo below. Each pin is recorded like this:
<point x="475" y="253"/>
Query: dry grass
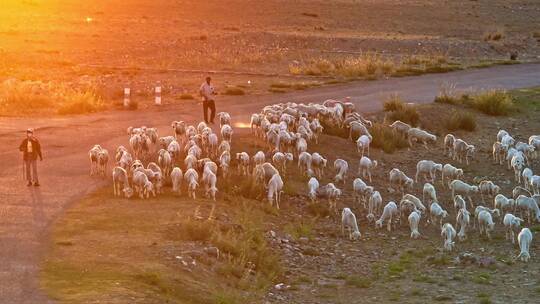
<point x="385" y="139"/>
<point x="399" y="110"/>
<point x="492" y="102"/>
<point x="461" y="121"/>
<point x="236" y="91"/>
<point x="369" y="64"/>
<point x="23" y="97"/>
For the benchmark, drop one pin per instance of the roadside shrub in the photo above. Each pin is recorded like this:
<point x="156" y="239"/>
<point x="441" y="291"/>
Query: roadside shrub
<point x="493" y="102"/>
<point x="192" y="230"/>
<point x="133" y="105"/>
<point x="394" y="103"/>
<point x="461" y="121"/>
<point x="385" y="139"/>
<point x="401" y="111"/>
<point x="447" y="95"/>
<point x="82" y="102"/>
<point x="186" y="96"/>
<point x="234" y="91"/>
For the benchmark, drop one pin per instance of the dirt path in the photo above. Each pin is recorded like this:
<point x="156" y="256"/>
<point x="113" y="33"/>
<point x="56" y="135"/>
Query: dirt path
<point x="26" y="213"/>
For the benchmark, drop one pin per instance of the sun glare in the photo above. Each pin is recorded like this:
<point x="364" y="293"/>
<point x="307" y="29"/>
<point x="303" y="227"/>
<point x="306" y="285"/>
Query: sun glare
<point x="241" y="125"/>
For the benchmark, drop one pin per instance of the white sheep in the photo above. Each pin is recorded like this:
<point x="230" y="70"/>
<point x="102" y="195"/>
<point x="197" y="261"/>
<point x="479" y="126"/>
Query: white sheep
<point x="176" y="180"/>
<point x="450" y="173"/>
<point x="400" y="127"/>
<point x="462" y="222"/>
<point x="93" y="155"/>
<point x="365" y="167"/>
<point x="459" y="187"/>
<point x="534" y="183"/>
<point x="459" y="203"/>
<point x="318" y="162"/>
<point x="485" y="223"/>
<point x="275" y="186"/>
<point x="449" y="145"/>
<point x="209" y="179"/>
<point x="301" y="145"/>
<point x="527" y="204"/>
<point x="437" y="213"/>
<point x="226" y="133"/>
<point x="341" y="166"/>
<point x="280" y="160"/>
<point x="517" y="163"/>
<point x="304" y="163"/>
<point x="501" y="134"/>
<point x="524" y="240"/>
<point x="414" y="220"/>
<point x="192" y="179"/>
<point x="190" y="161"/>
<point x="448" y="233"/>
<point x="179" y="128"/>
<point x="389" y="215"/>
<point x="527" y="174"/>
<point x="429" y="192"/>
<point x="348" y="220"/>
<point x="503" y="203"/>
<point x="420" y="136"/>
<point x="415" y="200"/>
<point x="224" y="118"/>
<point x="463" y="151"/>
<point x="428" y="167"/>
<point x="225" y="162"/>
<point x="313" y="186"/>
<point x="399" y="181"/>
<point x="142" y="185"/>
<point x="332" y="193"/>
<point x="361" y="191"/>
<point x="243" y="163"/>
<point x="488" y="188"/>
<point x="508" y="140"/>
<point x="259" y="158"/>
<point x="362" y="144"/>
<point x="374" y="205"/>
<point x="121" y="183"/>
<point x="499" y="153"/>
<point x="512" y="224"/>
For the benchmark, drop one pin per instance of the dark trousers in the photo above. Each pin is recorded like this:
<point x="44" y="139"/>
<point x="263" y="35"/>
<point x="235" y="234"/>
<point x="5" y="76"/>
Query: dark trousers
<point x="209" y="104"/>
<point x="31" y="174"/>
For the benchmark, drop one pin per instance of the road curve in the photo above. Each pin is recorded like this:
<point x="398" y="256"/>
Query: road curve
<point x="26" y="213"/>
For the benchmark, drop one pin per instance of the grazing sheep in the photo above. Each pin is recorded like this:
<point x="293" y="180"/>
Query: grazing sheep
<point x="301" y="145"/>
<point x="535" y="184"/>
<point x="317" y="129"/>
<point x="527" y="175"/>
<point x="121" y="183"/>
<point x="512" y="224"/>
<point x="224" y="162"/>
<point x="527" y="204"/>
<point x="365" y="167"/>
<point x="313" y="186"/>
<point x="485" y="223"/>
<point x="224" y="118"/>
<point x="517" y="163"/>
<point x="304" y="163"/>
<point x="224" y="146"/>
<point x="399" y="181"/>
<point x="448" y="233"/>
<point x="459" y="203"/>
<point x="361" y="191"/>
<point x="332" y="193"/>
<point x="429" y="192"/>
<point x="176" y="180"/>
<point x="449" y="145"/>
<point x="501" y="134"/>
<point x="142" y="185"/>
<point x="427" y="167"/>
<point x="450" y="173"/>
<point x="280" y="160"/>
<point x="524" y="240"/>
<point x="509" y="155"/>
<point x="459" y="187"/>
<point x="374" y="205"/>
<point x="348" y="220"/>
<point x="400" y="127"/>
<point x="389" y="215"/>
<point x="318" y="162"/>
<point x="93" y="155"/>
<point x="463" y="151"/>
<point x="462" y="222"/>
<point x="488" y="188"/>
<point x="414" y="219"/>
<point x="357" y="129"/>
<point x="415" y="200"/>
<point x="420" y="136"/>
<point x="243" y="163"/>
<point x="259" y="158"/>
<point x="255" y="123"/>
<point x="518" y="190"/>
<point x="508" y="140"/>
<point x="437" y="213"/>
<point x="503" y="203"/>
<point x="192" y="179"/>
<point x="341" y="166"/>
<point x="120" y="152"/>
<point x="362" y="144"/>
<point x="190" y="161"/>
<point x="275" y="186"/>
<point x="179" y="128"/>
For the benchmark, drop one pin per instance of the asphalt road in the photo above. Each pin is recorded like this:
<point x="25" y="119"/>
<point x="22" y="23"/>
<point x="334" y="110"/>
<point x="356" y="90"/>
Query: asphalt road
<point x="26" y="213"/>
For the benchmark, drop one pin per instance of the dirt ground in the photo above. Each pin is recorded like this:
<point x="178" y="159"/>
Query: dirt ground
<point x="121" y="248"/>
<point x="139" y="43"/>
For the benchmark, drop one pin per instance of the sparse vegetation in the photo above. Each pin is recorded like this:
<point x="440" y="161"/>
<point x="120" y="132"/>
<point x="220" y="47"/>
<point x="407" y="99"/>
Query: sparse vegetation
<point x="399" y="110"/>
<point x="386" y="139"/>
<point x="186" y="96"/>
<point x="234" y="91"/>
<point x="359" y="281"/>
<point x="460" y="120"/>
<point x="492" y="102"/>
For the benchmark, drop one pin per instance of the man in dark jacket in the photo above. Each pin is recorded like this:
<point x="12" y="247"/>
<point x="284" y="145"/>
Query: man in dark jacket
<point x="31" y="150"/>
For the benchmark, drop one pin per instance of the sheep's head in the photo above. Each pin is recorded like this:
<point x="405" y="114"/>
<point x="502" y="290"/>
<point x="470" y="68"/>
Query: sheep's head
<point x="438" y="167"/>
<point x="356" y="235"/>
<point x="128" y="192"/>
<point x="444" y="214"/>
<point x="378" y="224"/>
<point x="289" y="156"/>
<point x="409" y="183"/>
<point x="149" y="189"/>
<point x="448" y="245"/>
<point x="474" y="189"/>
<point x="459" y="173"/>
<point x="370" y="217"/>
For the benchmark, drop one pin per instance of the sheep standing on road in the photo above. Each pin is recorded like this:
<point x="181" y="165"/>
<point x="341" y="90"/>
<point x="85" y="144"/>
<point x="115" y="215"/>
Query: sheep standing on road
<point x="348" y="220"/>
<point x="524" y="240"/>
<point x="93" y="155"/>
<point x="448" y="233"/>
<point x="121" y="183"/>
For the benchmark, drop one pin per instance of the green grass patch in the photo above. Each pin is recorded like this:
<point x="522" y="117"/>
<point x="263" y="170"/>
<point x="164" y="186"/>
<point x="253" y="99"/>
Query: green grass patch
<point x="304" y="228"/>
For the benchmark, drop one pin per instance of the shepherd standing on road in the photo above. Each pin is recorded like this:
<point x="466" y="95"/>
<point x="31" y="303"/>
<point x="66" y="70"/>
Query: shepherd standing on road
<point x="31" y="150"/>
<point x="207" y="91"/>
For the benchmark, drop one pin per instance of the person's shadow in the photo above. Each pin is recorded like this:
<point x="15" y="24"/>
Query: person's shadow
<point x="36" y="205"/>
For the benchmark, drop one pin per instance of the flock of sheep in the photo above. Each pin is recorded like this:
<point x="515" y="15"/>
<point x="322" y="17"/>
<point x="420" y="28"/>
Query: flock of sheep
<point x="287" y="129"/>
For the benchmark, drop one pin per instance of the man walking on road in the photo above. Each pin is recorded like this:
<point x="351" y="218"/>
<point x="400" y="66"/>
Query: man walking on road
<point x="31" y="150"/>
<point x="206" y="91"/>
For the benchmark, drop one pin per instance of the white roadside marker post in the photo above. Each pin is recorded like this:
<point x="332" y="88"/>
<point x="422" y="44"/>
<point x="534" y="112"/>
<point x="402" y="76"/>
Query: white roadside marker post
<point x="158" y="96"/>
<point x="127" y="93"/>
